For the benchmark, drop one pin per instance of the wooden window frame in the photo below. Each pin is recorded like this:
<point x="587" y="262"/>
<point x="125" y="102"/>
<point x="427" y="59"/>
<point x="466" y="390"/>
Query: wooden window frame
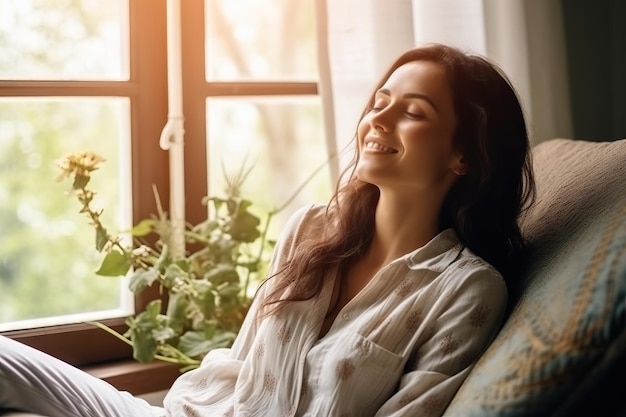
<point x="82" y="344"/>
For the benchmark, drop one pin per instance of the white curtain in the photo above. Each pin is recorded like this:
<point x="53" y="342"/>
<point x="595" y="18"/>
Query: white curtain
<point x="524" y="37"/>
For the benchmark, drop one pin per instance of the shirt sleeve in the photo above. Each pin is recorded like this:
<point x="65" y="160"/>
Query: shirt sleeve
<point x="467" y="319"/>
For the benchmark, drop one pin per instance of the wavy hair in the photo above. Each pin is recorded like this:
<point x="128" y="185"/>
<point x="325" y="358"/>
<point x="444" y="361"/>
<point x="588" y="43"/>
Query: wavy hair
<point x="483" y="206"/>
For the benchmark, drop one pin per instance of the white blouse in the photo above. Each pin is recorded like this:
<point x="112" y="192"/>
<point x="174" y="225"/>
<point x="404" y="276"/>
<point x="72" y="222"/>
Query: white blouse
<point x="400" y="347"/>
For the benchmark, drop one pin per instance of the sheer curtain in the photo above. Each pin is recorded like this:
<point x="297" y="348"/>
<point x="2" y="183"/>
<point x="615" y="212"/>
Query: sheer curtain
<point x="524" y="37"/>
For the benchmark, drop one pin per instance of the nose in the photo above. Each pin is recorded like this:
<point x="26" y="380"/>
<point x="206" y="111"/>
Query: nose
<point x="382" y="120"/>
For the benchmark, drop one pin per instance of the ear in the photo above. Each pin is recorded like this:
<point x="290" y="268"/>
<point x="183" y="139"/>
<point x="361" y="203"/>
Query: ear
<point x="459" y="167"/>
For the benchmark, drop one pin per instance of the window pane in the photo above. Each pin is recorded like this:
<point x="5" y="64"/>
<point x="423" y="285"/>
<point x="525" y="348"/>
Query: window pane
<point x="271" y="39"/>
<point x="47" y="254"/>
<point x="282" y="138"/>
<point x="78" y="39"/>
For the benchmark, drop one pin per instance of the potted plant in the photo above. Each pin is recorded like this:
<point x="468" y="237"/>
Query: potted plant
<point x="207" y="287"/>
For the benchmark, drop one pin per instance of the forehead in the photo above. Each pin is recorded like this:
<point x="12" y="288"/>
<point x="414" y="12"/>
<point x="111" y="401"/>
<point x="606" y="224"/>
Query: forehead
<point x="419" y="76"/>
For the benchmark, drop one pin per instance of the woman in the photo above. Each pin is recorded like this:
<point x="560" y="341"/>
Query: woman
<point x="379" y="303"/>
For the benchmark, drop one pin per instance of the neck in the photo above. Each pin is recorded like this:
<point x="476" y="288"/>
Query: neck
<point x="403" y="225"/>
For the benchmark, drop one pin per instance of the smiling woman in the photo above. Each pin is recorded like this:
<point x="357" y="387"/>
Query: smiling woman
<point x="365" y="288"/>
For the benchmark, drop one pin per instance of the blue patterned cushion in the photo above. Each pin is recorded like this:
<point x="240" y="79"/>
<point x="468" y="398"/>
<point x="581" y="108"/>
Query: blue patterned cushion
<point x="571" y="304"/>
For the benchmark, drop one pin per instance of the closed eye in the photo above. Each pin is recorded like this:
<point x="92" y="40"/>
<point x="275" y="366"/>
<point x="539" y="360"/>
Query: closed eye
<point x="414" y="115"/>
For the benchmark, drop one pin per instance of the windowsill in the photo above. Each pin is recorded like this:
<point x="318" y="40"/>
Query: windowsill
<point x="135" y="377"/>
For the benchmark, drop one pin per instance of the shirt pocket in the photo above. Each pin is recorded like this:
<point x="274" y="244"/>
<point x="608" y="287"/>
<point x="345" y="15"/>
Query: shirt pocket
<point x="361" y="375"/>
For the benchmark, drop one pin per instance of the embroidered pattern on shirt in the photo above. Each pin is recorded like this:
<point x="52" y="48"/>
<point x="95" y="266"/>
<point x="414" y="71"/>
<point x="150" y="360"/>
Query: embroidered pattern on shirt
<point x="345" y="369"/>
<point x="407" y="399"/>
<point x="190" y="411"/>
<point x="466" y="359"/>
<point x="405" y="288"/>
<point x="413" y="320"/>
<point x="290" y="410"/>
<point x="259" y="349"/>
<point x="199" y="384"/>
<point x="284" y="334"/>
<point x="434" y="403"/>
<point x="270" y="382"/>
<point x="448" y="344"/>
<point x="478" y="317"/>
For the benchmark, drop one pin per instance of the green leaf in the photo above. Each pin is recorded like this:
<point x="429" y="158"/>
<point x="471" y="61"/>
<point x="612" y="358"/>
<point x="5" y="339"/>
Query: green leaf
<point x="205" y="299"/>
<point x="142" y="330"/>
<point x="195" y="343"/>
<point x="222" y="273"/>
<point x="102" y="238"/>
<point x="163" y="334"/>
<point x="144" y="347"/>
<point x="142" y="278"/>
<point x="230" y="290"/>
<point x="115" y="264"/>
<point x="173" y="273"/>
<point x="244" y="226"/>
<point x="143" y="228"/>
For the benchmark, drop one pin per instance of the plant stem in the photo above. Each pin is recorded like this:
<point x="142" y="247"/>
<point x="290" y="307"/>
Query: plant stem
<point x="182" y="359"/>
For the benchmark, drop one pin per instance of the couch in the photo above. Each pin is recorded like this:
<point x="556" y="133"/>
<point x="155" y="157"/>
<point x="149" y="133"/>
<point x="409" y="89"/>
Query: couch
<point x="562" y="350"/>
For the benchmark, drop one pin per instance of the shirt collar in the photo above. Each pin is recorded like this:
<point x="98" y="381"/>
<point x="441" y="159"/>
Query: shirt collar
<point x="437" y="254"/>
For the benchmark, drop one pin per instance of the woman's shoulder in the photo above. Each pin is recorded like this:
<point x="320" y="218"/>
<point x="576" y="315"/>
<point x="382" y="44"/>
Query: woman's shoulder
<point x="473" y="271"/>
<point x="305" y="222"/>
<point x="307" y="218"/>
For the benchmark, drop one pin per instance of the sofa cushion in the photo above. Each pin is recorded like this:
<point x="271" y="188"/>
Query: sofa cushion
<point x="568" y="314"/>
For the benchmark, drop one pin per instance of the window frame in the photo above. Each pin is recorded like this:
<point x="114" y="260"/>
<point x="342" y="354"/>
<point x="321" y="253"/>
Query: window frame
<point x="196" y="90"/>
<point x="82" y="344"/>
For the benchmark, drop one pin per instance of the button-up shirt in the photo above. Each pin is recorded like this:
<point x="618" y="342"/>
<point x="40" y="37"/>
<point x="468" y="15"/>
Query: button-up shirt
<point x="401" y="347"/>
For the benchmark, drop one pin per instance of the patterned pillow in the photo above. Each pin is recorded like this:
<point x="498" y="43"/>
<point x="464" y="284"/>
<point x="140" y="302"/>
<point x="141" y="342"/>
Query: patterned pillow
<point x="571" y="305"/>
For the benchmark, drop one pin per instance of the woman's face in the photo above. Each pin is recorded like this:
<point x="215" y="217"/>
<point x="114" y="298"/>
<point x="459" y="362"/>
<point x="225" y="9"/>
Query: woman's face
<point x="405" y="140"/>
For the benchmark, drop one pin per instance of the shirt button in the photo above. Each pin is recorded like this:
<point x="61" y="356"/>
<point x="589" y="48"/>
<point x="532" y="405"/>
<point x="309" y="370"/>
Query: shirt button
<point x="346" y="316"/>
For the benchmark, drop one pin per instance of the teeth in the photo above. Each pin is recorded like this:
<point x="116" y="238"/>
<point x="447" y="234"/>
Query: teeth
<point x="378" y="147"/>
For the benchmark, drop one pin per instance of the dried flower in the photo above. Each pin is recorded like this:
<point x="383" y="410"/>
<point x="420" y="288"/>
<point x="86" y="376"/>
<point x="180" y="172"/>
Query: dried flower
<point x="80" y="165"/>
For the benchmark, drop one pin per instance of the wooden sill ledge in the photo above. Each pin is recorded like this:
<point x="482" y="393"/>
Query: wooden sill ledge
<point x="134" y="377"/>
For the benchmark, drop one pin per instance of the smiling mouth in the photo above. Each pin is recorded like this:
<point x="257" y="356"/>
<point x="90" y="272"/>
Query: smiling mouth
<point x="375" y="146"/>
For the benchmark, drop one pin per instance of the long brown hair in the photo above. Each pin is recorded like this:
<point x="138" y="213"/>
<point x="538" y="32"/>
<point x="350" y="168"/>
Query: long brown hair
<point x="483" y="205"/>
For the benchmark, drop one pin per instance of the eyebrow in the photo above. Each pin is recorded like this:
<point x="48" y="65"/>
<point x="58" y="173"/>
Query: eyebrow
<point x="411" y="95"/>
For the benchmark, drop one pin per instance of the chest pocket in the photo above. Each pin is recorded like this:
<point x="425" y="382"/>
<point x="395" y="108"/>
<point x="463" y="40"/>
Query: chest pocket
<point x="360" y="374"/>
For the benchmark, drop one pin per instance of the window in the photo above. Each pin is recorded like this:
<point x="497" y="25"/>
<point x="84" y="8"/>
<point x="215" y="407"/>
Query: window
<point x="262" y="107"/>
<point x="249" y="94"/>
<point x="79" y="75"/>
